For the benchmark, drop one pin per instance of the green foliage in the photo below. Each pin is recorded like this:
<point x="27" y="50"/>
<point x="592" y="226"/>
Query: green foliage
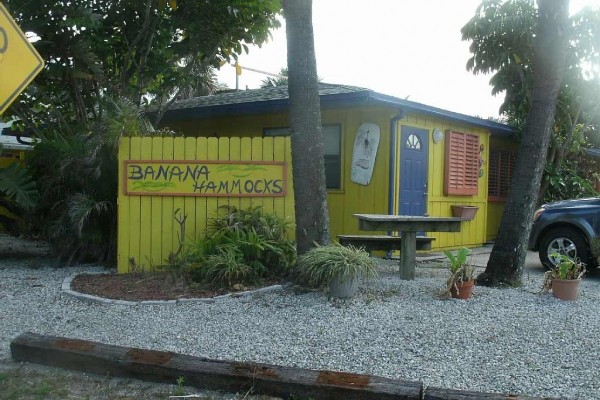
<point x="77" y="179"/>
<point x="566" y="268"/>
<point x="319" y="265"/>
<point x="179" y="391"/>
<point x="241" y="247"/>
<point x="16" y="184"/>
<point x="502" y="35"/>
<point x="566" y="182"/>
<point x="457" y="260"/>
<point x="142" y="50"/>
<point x="226" y="268"/>
<point x="460" y="270"/>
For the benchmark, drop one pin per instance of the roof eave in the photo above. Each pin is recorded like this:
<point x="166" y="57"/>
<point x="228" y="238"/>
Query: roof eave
<point x="410" y="106"/>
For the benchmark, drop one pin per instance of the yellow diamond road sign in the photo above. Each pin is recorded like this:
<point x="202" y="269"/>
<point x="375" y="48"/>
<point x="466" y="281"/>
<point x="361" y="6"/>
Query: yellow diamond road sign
<point x="19" y="61"/>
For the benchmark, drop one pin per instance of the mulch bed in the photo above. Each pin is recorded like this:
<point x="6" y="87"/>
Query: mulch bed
<point x="140" y="286"/>
<point x="149" y="286"/>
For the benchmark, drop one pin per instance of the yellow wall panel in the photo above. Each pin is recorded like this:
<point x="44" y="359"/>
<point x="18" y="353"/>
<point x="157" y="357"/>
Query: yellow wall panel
<point x="267" y="155"/>
<point x="223" y="202"/>
<point x="212" y="204"/>
<point x="279" y="155"/>
<point x="146" y="223"/>
<point x="147" y="231"/>
<point x="245" y="155"/>
<point x="168" y="218"/>
<point x="156" y="211"/>
<point x="201" y="207"/>
<point x="190" y="203"/>
<point x="123" y="209"/>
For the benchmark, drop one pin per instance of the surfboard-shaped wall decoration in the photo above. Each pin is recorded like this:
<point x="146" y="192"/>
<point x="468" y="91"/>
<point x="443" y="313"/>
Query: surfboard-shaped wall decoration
<point x="365" y="152"/>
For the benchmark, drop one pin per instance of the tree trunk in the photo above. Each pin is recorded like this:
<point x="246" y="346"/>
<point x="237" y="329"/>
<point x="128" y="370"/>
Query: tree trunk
<point x="310" y="194"/>
<point x="505" y="265"/>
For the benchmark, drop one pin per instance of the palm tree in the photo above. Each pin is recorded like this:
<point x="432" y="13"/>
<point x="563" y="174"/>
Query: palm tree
<point x="310" y="195"/>
<point x="505" y="265"/>
<point x="77" y="176"/>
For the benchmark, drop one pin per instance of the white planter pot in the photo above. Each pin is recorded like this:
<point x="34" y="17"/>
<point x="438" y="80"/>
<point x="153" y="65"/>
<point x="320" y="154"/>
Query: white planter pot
<point x="343" y="288"/>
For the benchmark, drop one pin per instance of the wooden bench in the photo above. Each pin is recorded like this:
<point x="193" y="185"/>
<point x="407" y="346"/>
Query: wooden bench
<point x="382" y="242"/>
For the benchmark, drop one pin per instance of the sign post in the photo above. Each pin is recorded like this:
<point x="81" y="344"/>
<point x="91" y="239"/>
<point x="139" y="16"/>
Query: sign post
<point x="19" y="61"/>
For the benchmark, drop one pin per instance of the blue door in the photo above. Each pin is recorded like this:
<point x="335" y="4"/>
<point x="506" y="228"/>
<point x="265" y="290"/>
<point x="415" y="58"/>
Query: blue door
<point x="413" y="171"/>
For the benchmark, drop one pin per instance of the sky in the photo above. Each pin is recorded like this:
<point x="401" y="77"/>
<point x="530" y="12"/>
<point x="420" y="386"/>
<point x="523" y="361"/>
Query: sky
<point x="405" y="48"/>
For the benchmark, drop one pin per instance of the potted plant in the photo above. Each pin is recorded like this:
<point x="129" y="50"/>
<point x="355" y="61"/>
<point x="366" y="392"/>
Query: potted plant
<point x="340" y="267"/>
<point x="464" y="212"/>
<point x="461" y="281"/>
<point x="564" y="278"/>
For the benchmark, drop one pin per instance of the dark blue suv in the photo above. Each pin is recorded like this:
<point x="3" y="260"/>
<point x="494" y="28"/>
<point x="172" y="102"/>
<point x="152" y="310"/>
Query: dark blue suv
<point x="566" y="227"/>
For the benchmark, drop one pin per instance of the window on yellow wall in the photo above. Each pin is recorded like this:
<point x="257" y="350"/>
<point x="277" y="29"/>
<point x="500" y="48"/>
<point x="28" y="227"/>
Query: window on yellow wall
<point x="502" y="165"/>
<point x="331" y="152"/>
<point x="462" y="164"/>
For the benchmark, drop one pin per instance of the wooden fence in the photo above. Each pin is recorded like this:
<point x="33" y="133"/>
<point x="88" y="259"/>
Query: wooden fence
<point x="148" y="231"/>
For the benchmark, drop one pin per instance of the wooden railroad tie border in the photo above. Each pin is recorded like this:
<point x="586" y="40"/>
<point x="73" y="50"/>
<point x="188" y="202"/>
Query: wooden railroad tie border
<point x="231" y="376"/>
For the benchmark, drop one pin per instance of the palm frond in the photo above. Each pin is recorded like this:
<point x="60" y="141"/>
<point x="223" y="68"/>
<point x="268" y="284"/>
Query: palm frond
<point x="16" y="183"/>
<point x="82" y="206"/>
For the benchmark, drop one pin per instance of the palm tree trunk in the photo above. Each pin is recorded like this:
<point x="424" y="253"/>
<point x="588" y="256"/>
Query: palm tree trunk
<point x="505" y="265"/>
<point x="310" y="194"/>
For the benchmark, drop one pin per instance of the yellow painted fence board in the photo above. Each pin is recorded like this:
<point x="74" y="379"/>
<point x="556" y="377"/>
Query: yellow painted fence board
<point x="148" y="231"/>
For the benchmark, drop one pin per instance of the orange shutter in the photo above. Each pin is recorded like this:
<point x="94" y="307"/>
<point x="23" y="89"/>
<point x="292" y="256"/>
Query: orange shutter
<point x="462" y="164"/>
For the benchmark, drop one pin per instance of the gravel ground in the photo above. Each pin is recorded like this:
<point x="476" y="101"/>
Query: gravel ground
<point x="510" y="340"/>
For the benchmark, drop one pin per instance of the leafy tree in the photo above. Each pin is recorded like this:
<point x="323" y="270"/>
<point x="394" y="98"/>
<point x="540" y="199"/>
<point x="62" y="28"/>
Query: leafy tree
<point x="77" y="175"/>
<point x="105" y="59"/>
<point x="502" y="35"/>
<point x="506" y="261"/>
<point x="147" y="51"/>
<point x="310" y="195"/>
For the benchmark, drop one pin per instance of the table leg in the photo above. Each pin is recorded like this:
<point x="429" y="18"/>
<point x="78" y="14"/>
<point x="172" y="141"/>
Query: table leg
<point x="408" y="255"/>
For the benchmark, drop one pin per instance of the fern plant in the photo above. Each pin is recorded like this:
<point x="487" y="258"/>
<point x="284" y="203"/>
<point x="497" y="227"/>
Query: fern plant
<point x="241" y="247"/>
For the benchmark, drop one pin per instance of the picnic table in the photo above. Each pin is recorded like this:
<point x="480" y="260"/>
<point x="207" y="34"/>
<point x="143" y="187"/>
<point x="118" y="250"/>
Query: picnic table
<point x="408" y="226"/>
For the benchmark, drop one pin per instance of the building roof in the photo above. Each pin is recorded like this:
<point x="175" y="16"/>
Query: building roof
<point x="276" y="99"/>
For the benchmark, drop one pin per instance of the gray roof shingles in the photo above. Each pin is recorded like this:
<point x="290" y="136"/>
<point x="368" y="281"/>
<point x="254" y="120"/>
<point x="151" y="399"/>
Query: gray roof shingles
<point x="276" y="98"/>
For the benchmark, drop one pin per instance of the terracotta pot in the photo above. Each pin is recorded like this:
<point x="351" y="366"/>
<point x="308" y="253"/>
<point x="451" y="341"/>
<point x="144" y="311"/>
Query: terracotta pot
<point x="565" y="289"/>
<point x="464" y="212"/>
<point x="465" y="290"/>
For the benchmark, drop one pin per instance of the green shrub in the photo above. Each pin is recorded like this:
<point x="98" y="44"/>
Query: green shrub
<point x="318" y="266"/>
<point x="241" y="247"/>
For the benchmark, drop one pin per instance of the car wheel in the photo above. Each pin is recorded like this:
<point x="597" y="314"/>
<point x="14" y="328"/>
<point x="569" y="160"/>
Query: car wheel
<point x="565" y="241"/>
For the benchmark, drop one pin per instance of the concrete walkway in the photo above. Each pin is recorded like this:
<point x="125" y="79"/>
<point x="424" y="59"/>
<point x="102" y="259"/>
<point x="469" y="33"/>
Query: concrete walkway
<point x="480" y="256"/>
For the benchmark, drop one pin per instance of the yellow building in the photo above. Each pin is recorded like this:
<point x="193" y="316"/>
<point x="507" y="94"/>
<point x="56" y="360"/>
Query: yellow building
<point x="382" y="154"/>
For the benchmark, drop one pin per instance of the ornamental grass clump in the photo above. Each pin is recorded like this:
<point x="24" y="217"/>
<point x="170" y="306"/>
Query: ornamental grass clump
<point x="322" y="264"/>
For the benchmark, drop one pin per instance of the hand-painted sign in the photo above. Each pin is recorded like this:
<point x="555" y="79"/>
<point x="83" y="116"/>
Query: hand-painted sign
<point x="205" y="178"/>
<point x="19" y="61"/>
